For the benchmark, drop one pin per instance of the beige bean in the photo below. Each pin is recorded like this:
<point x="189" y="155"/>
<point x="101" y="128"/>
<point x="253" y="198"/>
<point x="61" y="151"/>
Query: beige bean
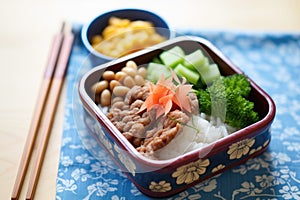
<point x="116" y="99"/>
<point x="99" y="86"/>
<point x="139" y="80"/>
<point x="108" y="75"/>
<point x="131" y="64"/>
<point x="113" y="84"/>
<point x="130" y="71"/>
<point x="142" y="71"/>
<point x="120" y="90"/>
<point x="128" y="82"/>
<point x="105" y="97"/>
<point x="120" y="75"/>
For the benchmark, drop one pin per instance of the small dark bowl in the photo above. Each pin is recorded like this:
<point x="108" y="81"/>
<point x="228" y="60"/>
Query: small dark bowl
<point x="98" y="24"/>
<point x="162" y="178"/>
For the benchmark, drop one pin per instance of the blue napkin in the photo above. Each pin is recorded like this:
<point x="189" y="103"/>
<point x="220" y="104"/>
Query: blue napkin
<point x="272" y="60"/>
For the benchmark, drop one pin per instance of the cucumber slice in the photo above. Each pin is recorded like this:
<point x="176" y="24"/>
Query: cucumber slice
<point x="195" y="60"/>
<point x="206" y="63"/>
<point x="172" y="57"/>
<point x="151" y="67"/>
<point x="190" y="75"/>
<point x="212" y="74"/>
<point x="204" y="67"/>
<point x="155" y="70"/>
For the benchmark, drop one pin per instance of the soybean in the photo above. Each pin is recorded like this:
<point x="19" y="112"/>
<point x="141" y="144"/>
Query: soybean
<point x="128" y="82"/>
<point x="99" y="86"/>
<point x="116" y="99"/>
<point x="142" y="71"/>
<point x="118" y="84"/>
<point x="113" y="84"/>
<point x="130" y="71"/>
<point x="108" y="75"/>
<point x="131" y="64"/>
<point x="120" y="90"/>
<point x="139" y="80"/>
<point x="120" y="75"/>
<point x="105" y="97"/>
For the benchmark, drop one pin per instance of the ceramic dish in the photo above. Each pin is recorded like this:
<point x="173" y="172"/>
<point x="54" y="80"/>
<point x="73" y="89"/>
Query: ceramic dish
<point x="162" y="178"/>
<point x="100" y="22"/>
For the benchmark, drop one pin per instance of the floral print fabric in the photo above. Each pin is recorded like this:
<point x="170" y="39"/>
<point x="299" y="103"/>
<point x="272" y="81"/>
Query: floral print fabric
<point x="272" y="60"/>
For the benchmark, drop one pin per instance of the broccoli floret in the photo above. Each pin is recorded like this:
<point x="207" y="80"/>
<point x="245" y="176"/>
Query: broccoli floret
<point x="240" y="111"/>
<point x="227" y="99"/>
<point x="218" y="98"/>
<point x="238" y="83"/>
<point x="204" y="101"/>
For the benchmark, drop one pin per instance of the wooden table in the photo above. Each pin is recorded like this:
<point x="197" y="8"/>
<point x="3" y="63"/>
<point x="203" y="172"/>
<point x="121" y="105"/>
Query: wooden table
<point x="27" y="28"/>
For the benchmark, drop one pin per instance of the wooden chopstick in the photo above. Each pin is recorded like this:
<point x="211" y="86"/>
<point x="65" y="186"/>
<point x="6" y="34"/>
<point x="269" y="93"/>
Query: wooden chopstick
<point x="47" y="121"/>
<point x="37" y="115"/>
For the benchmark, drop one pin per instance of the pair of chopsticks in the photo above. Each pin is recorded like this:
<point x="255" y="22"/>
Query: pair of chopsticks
<point x="44" y="112"/>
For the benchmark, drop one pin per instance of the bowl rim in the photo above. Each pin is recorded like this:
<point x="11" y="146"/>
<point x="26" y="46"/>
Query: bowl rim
<point x="86" y="26"/>
<point x="250" y="130"/>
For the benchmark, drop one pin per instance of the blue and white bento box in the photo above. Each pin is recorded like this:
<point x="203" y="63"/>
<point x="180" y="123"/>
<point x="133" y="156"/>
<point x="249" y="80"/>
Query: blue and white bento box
<point x="162" y="178"/>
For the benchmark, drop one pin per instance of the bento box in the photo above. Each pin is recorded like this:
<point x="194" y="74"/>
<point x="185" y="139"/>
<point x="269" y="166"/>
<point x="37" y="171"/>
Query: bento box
<point x="168" y="176"/>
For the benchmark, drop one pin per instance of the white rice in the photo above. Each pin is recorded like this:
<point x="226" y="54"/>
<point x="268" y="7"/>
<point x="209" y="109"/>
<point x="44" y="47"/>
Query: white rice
<point x="200" y="131"/>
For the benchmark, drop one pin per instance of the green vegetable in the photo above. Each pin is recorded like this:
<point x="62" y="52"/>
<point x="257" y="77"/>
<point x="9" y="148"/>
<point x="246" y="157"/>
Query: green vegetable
<point x="155" y="70"/>
<point x="190" y="75"/>
<point x="196" y="61"/>
<point x="195" y="67"/>
<point x="239" y="83"/>
<point x="211" y="74"/>
<point x="172" y="57"/>
<point x="226" y="98"/>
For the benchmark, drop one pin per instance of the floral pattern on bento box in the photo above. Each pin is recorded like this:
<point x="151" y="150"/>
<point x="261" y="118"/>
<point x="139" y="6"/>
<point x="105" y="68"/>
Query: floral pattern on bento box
<point x="272" y="60"/>
<point x="190" y="173"/>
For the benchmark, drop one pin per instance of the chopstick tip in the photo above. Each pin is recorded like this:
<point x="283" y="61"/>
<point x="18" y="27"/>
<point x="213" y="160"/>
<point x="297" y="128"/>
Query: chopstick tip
<point x="62" y="27"/>
<point x="67" y="28"/>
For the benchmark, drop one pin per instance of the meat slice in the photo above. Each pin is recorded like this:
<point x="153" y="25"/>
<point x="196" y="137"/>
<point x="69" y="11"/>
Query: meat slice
<point x="159" y="137"/>
<point x="141" y="129"/>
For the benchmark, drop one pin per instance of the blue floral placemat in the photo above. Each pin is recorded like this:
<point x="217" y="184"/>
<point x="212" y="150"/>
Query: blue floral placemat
<point x="272" y="60"/>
